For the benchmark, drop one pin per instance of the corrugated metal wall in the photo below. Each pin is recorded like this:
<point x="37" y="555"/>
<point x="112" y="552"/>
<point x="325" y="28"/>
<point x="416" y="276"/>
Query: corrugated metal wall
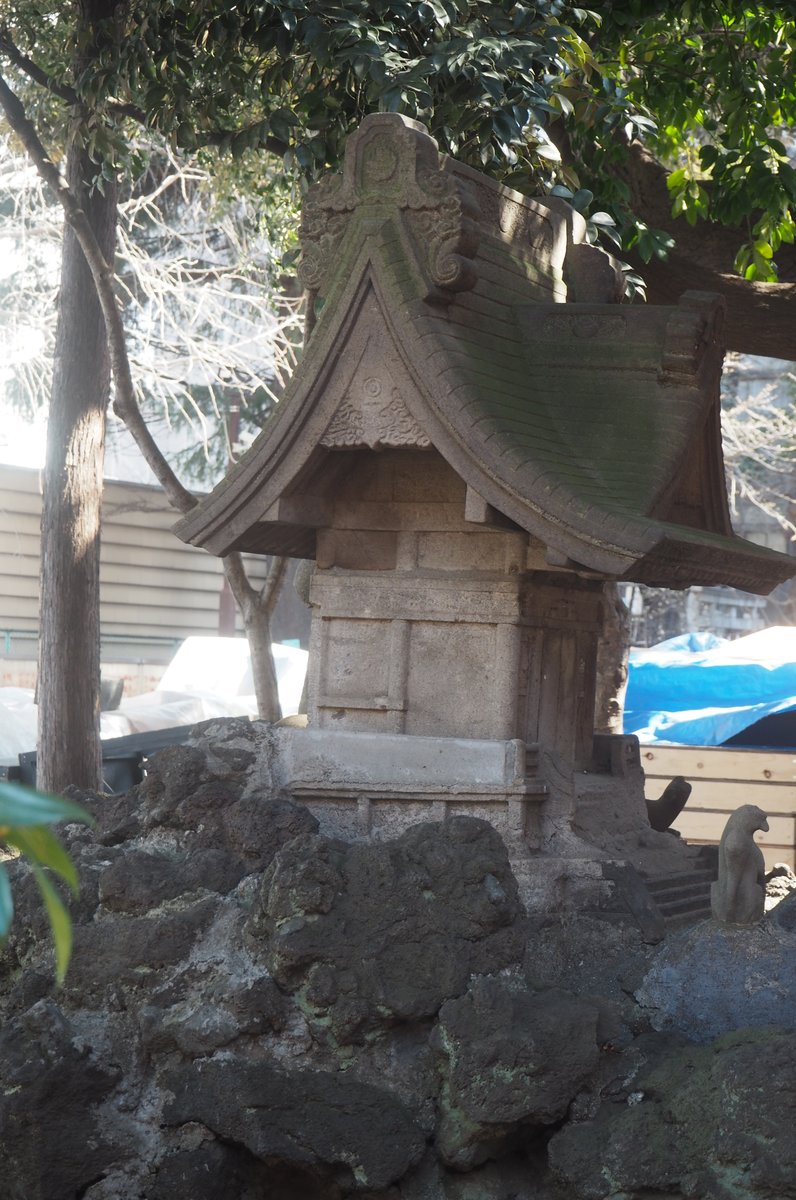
<point x="155" y="589"/>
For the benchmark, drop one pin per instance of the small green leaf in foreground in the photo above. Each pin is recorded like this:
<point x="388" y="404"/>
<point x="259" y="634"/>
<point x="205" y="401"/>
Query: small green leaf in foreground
<point x="24" y="816"/>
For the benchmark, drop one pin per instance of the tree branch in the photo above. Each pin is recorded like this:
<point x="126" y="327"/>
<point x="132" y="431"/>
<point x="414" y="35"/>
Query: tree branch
<point x="33" y="70"/>
<point x="125" y="402"/>
<point x="712" y="245"/>
<point x="761" y="317"/>
<point x="213" y="137"/>
<point x="216" y="137"/>
<point x="22" y="127"/>
<point x="235" y="572"/>
<point x="269" y="593"/>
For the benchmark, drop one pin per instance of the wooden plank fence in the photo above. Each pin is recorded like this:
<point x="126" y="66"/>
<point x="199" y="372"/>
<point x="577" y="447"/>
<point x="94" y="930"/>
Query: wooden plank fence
<point x="723" y="779"/>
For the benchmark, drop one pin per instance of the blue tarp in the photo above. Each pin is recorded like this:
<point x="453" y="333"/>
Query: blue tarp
<point x="699" y="690"/>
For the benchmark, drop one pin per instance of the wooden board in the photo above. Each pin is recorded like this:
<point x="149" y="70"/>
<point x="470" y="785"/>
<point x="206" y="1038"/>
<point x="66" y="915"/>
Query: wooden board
<point x="722" y="780"/>
<point x="714" y="762"/>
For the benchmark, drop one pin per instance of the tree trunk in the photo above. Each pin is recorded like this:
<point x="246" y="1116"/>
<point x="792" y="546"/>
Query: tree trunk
<point x="69" y="637"/>
<point x="257" y="608"/>
<point x="257" y="623"/>
<point x="612" y="663"/>
<point x="759" y="315"/>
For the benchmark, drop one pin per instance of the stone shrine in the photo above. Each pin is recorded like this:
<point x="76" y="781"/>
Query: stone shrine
<point x="477" y="437"/>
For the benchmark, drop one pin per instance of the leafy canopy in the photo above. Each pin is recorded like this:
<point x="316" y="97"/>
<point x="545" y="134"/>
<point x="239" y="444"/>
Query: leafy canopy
<point x="545" y="96"/>
<point x="720" y="80"/>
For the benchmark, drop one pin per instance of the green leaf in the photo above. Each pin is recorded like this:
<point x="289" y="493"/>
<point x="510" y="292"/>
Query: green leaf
<point x="20" y="805"/>
<point x="6" y="903"/>
<point x="60" y="922"/>
<point x="742" y="259"/>
<point x="610" y="232"/>
<point x="41" y="846"/>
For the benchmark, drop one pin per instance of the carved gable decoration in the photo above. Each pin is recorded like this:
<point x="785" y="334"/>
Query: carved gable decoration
<point x="371" y="409"/>
<point x="374" y="416"/>
<point x="387" y="169"/>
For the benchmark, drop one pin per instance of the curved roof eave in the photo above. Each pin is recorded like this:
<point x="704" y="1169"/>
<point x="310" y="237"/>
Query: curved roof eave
<point x="587" y="536"/>
<point x="286" y="442"/>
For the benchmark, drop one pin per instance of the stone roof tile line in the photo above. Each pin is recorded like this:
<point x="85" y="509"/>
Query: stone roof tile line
<point x="557" y="415"/>
<point x="632" y="523"/>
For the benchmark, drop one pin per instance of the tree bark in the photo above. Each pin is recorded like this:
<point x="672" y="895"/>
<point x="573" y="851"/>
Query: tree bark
<point x="257" y="623"/>
<point x="69" y="631"/>
<point x="612" y="655"/>
<point x="257" y="608"/>
<point x="760" y="316"/>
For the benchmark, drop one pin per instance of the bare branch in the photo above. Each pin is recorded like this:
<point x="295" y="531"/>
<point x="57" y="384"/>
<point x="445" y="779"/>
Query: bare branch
<point x="102" y="274"/>
<point x="218" y="286"/>
<point x="201" y="307"/>
<point x="269" y="593"/>
<point x="759" y="437"/>
<point x="235" y="572"/>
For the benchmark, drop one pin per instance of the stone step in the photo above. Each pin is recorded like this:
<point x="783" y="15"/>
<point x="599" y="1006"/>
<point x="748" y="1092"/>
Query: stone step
<point x="676" y="888"/>
<point x="673" y="924"/>
<point x="662" y="885"/>
<point x="684" y="898"/>
<point x="698" y="902"/>
<point x="687" y="904"/>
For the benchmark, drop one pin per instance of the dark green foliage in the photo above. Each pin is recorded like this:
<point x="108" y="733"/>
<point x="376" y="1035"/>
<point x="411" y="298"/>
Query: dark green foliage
<point x="504" y="86"/>
<point x="720" y="82"/>
<point x="542" y="95"/>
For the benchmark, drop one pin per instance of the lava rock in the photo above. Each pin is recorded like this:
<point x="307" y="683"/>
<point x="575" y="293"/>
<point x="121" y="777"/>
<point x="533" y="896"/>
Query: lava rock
<point x="306" y="1118"/>
<point x="367" y="934"/>
<point x="783" y="915"/>
<point x="509" y="1057"/>
<point x="133" y="950"/>
<point x="140" y="880"/>
<point x="51" y="1143"/>
<point x="697" y="1121"/>
<point x="714" y="978"/>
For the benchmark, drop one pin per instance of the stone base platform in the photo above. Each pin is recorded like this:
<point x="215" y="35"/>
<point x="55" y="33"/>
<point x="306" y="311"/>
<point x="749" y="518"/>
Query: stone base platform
<point x="374" y="785"/>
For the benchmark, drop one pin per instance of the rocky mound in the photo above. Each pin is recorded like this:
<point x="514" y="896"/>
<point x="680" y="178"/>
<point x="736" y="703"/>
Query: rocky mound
<point x="254" y="1010"/>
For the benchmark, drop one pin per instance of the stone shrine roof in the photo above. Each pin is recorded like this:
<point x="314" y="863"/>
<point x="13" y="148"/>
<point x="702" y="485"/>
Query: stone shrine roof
<point x="458" y="314"/>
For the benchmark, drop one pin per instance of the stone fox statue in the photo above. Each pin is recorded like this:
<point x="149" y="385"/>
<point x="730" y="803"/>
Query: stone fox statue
<point x="738" y="896"/>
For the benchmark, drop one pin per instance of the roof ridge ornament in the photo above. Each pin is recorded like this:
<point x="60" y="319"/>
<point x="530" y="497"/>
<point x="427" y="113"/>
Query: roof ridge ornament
<point x="393" y="166"/>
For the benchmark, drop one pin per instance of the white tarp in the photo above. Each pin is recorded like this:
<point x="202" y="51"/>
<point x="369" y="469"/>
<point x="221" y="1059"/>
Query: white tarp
<point x="208" y="677"/>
